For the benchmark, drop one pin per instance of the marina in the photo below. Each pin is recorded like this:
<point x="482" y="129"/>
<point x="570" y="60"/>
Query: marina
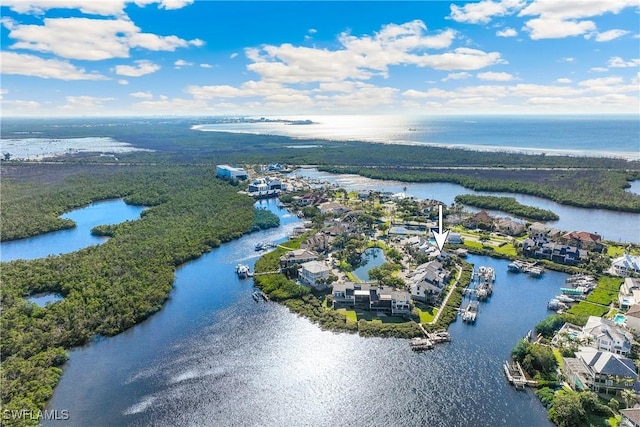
<point x="577" y="289"/>
<point x="482" y="284"/>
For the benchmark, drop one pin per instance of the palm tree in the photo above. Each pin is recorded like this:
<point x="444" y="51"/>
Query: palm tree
<point x="629" y="397"/>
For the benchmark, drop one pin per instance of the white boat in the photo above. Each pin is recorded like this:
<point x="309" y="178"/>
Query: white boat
<point x="243" y="271"/>
<point x="515" y="267"/>
<point x="486" y="274"/>
<point x="565" y="298"/>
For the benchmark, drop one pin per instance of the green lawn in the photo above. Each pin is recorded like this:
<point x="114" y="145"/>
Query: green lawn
<point x="427" y="314"/>
<point x="507" y="249"/>
<point x="349" y="314"/>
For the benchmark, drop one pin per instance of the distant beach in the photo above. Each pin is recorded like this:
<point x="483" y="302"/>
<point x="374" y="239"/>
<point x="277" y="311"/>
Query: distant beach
<point x="581" y="136"/>
<point x="42" y="148"/>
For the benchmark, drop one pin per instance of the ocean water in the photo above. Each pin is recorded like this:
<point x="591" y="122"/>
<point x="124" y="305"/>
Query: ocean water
<point x="609" y="136"/>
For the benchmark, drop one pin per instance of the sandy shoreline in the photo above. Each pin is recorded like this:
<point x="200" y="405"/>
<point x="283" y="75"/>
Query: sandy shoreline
<point x="42" y="148"/>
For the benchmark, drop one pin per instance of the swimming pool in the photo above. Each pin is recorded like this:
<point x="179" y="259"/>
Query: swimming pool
<point x="620" y="319"/>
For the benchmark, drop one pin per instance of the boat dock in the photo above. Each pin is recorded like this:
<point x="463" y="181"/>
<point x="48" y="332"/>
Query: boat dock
<point x="470" y="312"/>
<point x="481" y="285"/>
<point x="516" y="376"/>
<point x="257" y="294"/>
<point x="531" y="268"/>
<point x="243" y="271"/>
<point x="430" y="339"/>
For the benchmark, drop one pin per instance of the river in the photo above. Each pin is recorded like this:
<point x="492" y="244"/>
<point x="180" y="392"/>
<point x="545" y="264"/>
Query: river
<point x="73" y="239"/>
<point x="611" y="225"/>
<point x="214" y="357"/>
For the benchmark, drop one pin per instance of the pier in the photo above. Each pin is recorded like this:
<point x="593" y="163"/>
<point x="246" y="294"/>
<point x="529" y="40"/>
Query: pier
<point x="430" y="339"/>
<point x="470" y="312"/>
<point x="516" y="376"/>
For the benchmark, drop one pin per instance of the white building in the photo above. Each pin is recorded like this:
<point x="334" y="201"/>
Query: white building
<point x="312" y="272"/>
<point x="629" y="293"/>
<point x="626" y="265"/>
<point x="606" y="335"/>
<point x="229" y="172"/>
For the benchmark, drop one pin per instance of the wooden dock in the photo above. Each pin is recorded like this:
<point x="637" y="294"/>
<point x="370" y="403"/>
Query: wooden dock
<point x="515" y="375"/>
<point x="430" y="339"/>
<point x="470" y="312"/>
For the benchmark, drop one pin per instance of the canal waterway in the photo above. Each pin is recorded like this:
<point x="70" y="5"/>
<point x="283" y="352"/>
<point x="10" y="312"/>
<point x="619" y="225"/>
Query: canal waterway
<point x="214" y="356"/>
<point x="611" y="225"/>
<point x="73" y="239"/>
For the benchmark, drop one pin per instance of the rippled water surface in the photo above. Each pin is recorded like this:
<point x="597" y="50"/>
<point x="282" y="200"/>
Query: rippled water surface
<point x="214" y="357"/>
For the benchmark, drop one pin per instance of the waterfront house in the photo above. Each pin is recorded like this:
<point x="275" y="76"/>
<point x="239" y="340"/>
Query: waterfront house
<point x="600" y="371"/>
<point x="630" y="417"/>
<point x="626" y="265"/>
<point x="629" y="293"/>
<point x="480" y="220"/>
<point x="314" y="274"/>
<point x="633" y="318"/>
<point x="583" y="240"/>
<point x="427" y="281"/>
<point x="538" y="229"/>
<point x="230" y="172"/>
<point x="297" y="256"/>
<point x="365" y="296"/>
<point x="606" y="335"/>
<point x="544" y="248"/>
<point x="510" y="227"/>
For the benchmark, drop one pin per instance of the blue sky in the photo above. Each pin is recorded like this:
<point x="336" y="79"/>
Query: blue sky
<point x="179" y="57"/>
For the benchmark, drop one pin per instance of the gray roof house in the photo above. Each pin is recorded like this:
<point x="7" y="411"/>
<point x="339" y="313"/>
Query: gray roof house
<point x="600" y="371"/>
<point x="608" y="336"/>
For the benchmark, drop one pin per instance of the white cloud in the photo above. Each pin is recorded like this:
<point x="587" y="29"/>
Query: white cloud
<point x="173" y="106"/>
<point x="507" y="32"/>
<point x="206" y="65"/>
<point x="312" y="31"/>
<point x="141" y="68"/>
<point x="564" y="80"/>
<point x="457" y="76"/>
<point x="141" y="95"/>
<point x="618" y="62"/>
<point x="364" y="57"/>
<point x="84" y="103"/>
<point x="610" y="35"/>
<point x="182" y="63"/>
<point x="100" y="38"/>
<point x="21" y="104"/>
<point x="96" y="7"/>
<point x="31" y="65"/>
<point x="494" y="76"/>
<point x="599" y="69"/>
<point x="576" y="9"/>
<point x="566" y="59"/>
<point x="559" y="19"/>
<point x="233" y="55"/>
<point x="482" y="12"/>
<point x="123" y="82"/>
<point x="551" y="28"/>
<point x="250" y="88"/>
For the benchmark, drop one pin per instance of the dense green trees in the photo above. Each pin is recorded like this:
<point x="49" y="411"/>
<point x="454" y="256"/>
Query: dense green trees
<point x="110" y="287"/>
<point x="506" y="204"/>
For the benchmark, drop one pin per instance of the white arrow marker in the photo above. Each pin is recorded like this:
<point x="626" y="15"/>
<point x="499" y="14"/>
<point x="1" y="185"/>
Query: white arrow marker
<point x="440" y="235"/>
